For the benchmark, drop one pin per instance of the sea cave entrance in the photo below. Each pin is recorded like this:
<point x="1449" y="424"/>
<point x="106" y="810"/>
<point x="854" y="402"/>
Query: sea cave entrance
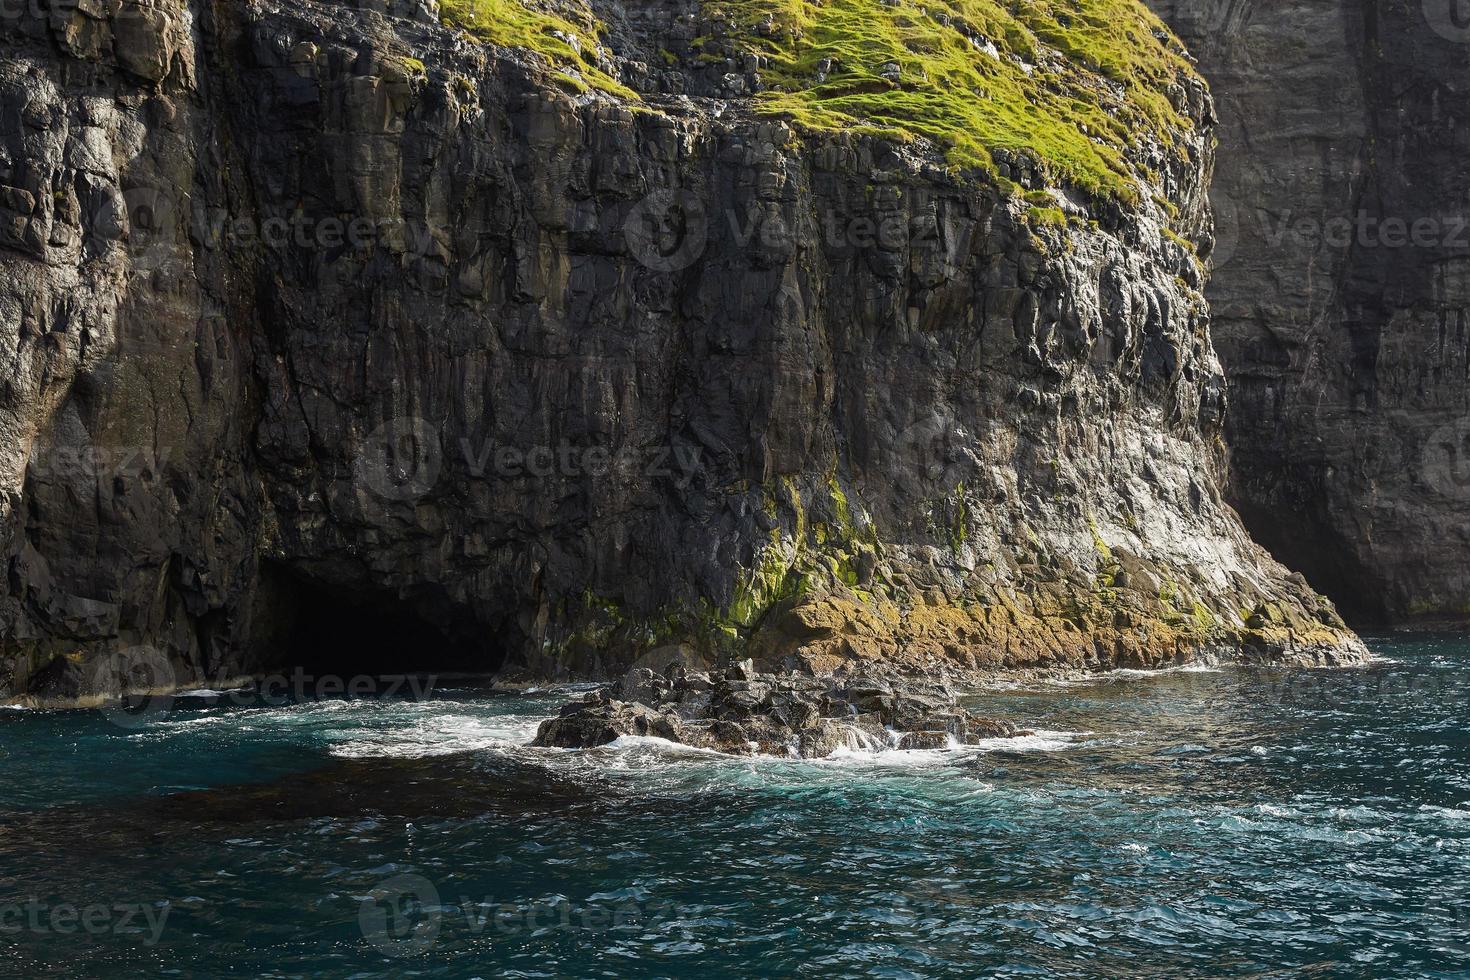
<point x="330" y="630"/>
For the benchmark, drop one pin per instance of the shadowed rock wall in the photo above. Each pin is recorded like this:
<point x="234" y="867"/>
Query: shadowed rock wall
<point x="324" y="307"/>
<point x="1340" y="288"/>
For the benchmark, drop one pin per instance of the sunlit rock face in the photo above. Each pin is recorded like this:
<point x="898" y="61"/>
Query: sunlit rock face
<point x="1340" y="287"/>
<point x="332" y="332"/>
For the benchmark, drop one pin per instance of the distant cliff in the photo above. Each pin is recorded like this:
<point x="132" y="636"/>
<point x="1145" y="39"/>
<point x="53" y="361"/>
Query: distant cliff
<point x="695" y="331"/>
<point x="1341" y="288"/>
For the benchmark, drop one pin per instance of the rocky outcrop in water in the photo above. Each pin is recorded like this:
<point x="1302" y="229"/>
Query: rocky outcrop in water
<point x="742" y="712"/>
<point x="329" y="328"/>
<point x="1340" y="288"/>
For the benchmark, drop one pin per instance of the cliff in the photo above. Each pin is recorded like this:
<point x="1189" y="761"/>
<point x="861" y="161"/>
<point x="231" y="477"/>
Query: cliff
<point x="1340" y="289"/>
<point x="552" y="339"/>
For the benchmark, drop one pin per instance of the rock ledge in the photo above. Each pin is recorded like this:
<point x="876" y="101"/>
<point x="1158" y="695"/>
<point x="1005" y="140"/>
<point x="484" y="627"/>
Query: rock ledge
<point x="742" y="712"/>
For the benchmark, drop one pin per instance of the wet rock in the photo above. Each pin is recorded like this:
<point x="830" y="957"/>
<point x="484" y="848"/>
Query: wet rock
<point x="749" y="713"/>
<point x="826" y="737"/>
<point x="590" y="725"/>
<point x="642" y="684"/>
<point x="924" y="740"/>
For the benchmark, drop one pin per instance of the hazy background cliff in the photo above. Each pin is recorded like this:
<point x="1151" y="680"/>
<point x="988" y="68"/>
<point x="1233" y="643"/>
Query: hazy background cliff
<point x="1339" y="288"/>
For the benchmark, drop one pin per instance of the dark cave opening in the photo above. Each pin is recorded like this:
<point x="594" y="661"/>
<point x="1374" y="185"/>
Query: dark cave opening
<point x="1303" y="544"/>
<point x="336" y="631"/>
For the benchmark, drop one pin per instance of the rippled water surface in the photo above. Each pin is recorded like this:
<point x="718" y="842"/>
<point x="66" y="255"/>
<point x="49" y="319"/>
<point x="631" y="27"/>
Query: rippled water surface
<point x="1197" y="823"/>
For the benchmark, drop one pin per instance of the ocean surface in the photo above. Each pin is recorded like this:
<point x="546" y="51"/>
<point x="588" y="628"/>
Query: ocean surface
<point x="1195" y="823"/>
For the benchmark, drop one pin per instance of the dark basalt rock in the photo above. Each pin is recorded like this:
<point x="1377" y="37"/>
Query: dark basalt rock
<point x="1340" y="288"/>
<point x="596" y="384"/>
<point x="743" y="713"/>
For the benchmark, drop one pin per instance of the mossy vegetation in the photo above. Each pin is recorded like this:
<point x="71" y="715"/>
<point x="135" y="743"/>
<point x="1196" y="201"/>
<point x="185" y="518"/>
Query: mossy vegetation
<point x="1068" y="83"/>
<point x="812" y="554"/>
<point x="569" y="45"/>
<point x="1183" y="611"/>
<point x="1059" y="87"/>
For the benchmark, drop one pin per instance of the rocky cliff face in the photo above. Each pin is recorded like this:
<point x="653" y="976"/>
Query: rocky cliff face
<point x="1340" y="288"/>
<point x="334" y="332"/>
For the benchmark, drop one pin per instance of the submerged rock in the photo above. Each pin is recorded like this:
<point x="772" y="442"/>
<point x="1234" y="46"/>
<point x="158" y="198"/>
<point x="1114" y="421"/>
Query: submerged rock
<point x="743" y="713"/>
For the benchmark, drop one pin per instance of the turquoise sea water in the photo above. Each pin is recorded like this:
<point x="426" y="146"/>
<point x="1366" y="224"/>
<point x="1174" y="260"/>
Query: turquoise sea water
<point x="1191" y="824"/>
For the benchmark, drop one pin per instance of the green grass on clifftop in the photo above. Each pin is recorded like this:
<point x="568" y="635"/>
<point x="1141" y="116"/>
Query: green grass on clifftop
<point x="511" y="24"/>
<point x="1071" y="84"/>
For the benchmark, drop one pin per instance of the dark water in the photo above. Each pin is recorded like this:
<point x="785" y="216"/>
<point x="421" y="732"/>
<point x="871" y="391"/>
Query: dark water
<point x="1231" y="823"/>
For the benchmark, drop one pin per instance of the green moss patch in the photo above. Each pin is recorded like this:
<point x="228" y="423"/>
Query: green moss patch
<point x="568" y="45"/>
<point x="1061" y="86"/>
<point x="1069" y="83"/>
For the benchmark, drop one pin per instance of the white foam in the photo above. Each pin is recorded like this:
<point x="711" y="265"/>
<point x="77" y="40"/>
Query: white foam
<point x="862" y="750"/>
<point x="891" y="759"/>
<point x="1446" y="813"/>
<point x="1098" y="677"/>
<point x="625" y="743"/>
<point x="1277" y="811"/>
<point x="436" y="736"/>
<point x="1132" y="673"/>
<point x="1039" y="740"/>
